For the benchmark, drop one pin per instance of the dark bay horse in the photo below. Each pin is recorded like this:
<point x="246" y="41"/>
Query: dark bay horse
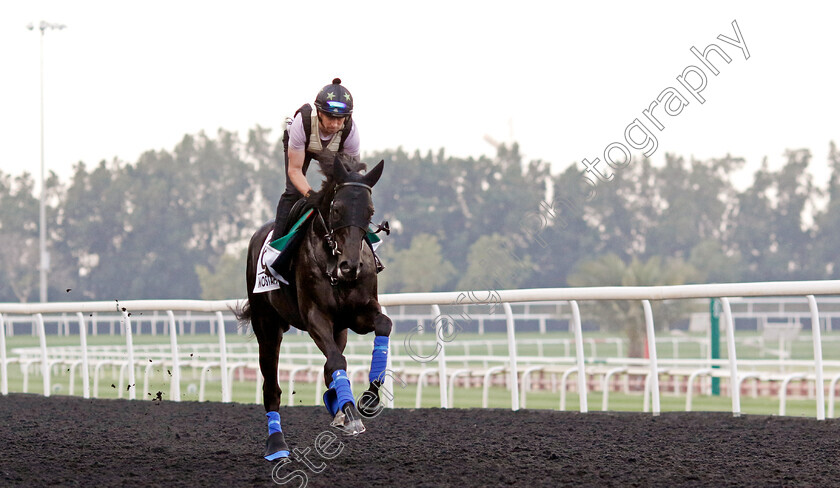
<point x="332" y="288"/>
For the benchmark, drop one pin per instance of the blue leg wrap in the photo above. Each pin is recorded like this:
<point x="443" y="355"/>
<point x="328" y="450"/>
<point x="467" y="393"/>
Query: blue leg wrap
<point x="273" y="422"/>
<point x="379" y="361"/>
<point x="342" y="388"/>
<point x="331" y="401"/>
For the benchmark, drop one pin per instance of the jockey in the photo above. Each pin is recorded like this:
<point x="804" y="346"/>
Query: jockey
<point x="334" y="132"/>
<point x="321" y="138"/>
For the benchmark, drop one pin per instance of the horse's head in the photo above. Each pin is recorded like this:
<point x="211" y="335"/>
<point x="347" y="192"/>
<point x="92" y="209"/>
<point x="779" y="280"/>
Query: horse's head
<point x="348" y="213"/>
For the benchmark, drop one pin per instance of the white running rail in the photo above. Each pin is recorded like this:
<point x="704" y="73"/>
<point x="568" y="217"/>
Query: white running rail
<point x="806" y="289"/>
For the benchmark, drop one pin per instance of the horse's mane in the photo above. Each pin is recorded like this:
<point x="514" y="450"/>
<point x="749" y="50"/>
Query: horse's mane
<point x="351" y="163"/>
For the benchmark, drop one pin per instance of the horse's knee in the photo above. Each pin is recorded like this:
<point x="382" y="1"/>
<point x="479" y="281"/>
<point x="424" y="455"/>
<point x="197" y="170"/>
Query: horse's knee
<point x="382" y="325"/>
<point x="333" y="364"/>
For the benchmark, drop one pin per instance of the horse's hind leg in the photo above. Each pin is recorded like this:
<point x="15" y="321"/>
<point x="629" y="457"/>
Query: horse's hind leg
<point x="269" y="336"/>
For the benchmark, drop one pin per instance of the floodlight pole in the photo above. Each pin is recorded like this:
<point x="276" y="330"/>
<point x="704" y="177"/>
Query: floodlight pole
<point x="42" y="211"/>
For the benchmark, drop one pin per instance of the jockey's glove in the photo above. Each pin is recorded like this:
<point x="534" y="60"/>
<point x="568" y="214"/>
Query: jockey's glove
<point x="313" y="199"/>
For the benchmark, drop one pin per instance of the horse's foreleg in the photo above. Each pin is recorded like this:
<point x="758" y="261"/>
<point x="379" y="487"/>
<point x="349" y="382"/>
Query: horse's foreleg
<point x="341" y="339"/>
<point x="369" y="402"/>
<point x="379" y="361"/>
<point x="339" y="396"/>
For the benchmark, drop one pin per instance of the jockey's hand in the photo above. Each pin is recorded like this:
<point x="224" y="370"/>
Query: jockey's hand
<point x="313" y="199"/>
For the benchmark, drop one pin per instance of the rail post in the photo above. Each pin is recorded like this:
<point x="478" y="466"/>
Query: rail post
<point x="4" y="369"/>
<point x="444" y="401"/>
<point x="733" y="360"/>
<point x="581" y="365"/>
<point x="83" y="342"/>
<point x="226" y="393"/>
<point x="129" y="344"/>
<point x="818" y="360"/>
<point x="654" y="367"/>
<point x="175" y="387"/>
<point x="714" y="313"/>
<point x="45" y="364"/>
<point x="514" y="374"/>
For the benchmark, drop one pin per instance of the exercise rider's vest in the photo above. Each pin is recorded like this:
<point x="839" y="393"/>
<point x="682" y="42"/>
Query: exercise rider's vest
<point x="315" y="147"/>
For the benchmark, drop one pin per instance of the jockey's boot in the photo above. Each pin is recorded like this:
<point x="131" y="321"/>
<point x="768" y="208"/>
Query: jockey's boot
<point x="283" y="209"/>
<point x="376" y="260"/>
<point x="379" y="265"/>
<point x="284" y="206"/>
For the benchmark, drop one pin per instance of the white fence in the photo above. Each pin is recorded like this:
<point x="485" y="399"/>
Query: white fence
<point x="228" y="362"/>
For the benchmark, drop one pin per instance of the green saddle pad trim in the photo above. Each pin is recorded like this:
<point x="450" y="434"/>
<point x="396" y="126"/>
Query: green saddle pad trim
<point x="280" y="244"/>
<point x="373" y="238"/>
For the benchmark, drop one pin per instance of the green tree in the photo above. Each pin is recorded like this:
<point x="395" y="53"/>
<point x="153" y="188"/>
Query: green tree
<point x="753" y="224"/>
<point x="691" y="204"/>
<point x="492" y="264"/>
<point x="92" y="229"/>
<point x="417" y="196"/>
<point x="626" y="315"/>
<point x="461" y="199"/>
<point x="267" y="158"/>
<point x="419" y="268"/>
<point x="614" y="214"/>
<point x="825" y="260"/>
<point x="557" y="232"/>
<point x="140" y="230"/>
<point x="19" y="259"/>
<point x="494" y="195"/>
<point x="714" y="264"/>
<point x="795" y="194"/>
<point x="226" y="280"/>
<point x="769" y="231"/>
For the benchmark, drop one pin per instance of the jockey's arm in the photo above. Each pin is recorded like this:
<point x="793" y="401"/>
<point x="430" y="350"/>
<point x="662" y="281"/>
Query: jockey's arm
<point x="296" y="175"/>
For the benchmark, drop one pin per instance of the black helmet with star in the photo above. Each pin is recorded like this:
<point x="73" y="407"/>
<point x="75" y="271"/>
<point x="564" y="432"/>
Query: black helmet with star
<point x="334" y="99"/>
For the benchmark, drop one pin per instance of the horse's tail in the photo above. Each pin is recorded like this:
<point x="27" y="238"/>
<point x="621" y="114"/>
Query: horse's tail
<point x="243" y="313"/>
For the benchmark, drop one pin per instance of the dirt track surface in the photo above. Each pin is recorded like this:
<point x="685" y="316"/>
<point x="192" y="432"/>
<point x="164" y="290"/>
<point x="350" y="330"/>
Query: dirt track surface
<point x="67" y="441"/>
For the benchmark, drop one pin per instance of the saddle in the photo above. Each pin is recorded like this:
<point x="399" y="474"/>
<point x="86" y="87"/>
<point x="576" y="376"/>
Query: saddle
<point x="284" y="246"/>
<point x="297" y="211"/>
<point x="279" y="253"/>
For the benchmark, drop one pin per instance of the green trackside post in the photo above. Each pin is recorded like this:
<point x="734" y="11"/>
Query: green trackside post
<point x="714" y="313"/>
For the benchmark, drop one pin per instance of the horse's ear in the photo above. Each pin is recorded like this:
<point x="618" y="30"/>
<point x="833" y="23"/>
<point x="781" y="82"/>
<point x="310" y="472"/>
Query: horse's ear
<point x="339" y="171"/>
<point x="373" y="175"/>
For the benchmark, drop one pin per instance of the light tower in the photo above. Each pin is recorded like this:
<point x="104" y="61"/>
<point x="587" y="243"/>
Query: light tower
<point x="42" y="238"/>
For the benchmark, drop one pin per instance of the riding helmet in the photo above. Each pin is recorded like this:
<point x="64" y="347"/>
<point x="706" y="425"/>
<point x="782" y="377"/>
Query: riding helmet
<point x="335" y="100"/>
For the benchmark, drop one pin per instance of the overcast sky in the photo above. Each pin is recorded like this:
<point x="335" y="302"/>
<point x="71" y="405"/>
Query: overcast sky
<point x="563" y="80"/>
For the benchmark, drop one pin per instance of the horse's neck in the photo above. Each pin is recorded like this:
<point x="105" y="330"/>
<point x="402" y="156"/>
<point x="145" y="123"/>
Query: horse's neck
<point x="326" y="201"/>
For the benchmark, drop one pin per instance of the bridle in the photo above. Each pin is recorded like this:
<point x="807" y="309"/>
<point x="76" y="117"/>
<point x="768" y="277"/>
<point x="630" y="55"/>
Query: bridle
<point x="333" y="224"/>
<point x="350" y="219"/>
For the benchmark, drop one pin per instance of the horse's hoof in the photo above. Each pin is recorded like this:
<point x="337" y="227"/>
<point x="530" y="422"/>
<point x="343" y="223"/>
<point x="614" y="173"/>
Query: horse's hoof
<point x="348" y="420"/>
<point x="276" y="447"/>
<point x="369" y="405"/>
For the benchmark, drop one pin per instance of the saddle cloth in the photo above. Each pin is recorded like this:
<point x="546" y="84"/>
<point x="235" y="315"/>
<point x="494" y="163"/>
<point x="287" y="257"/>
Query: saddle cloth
<point x="272" y="250"/>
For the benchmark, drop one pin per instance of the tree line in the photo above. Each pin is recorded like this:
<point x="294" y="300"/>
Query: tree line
<point x="175" y="224"/>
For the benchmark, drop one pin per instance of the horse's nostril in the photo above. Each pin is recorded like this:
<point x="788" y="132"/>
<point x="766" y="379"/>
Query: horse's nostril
<point x="348" y="271"/>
